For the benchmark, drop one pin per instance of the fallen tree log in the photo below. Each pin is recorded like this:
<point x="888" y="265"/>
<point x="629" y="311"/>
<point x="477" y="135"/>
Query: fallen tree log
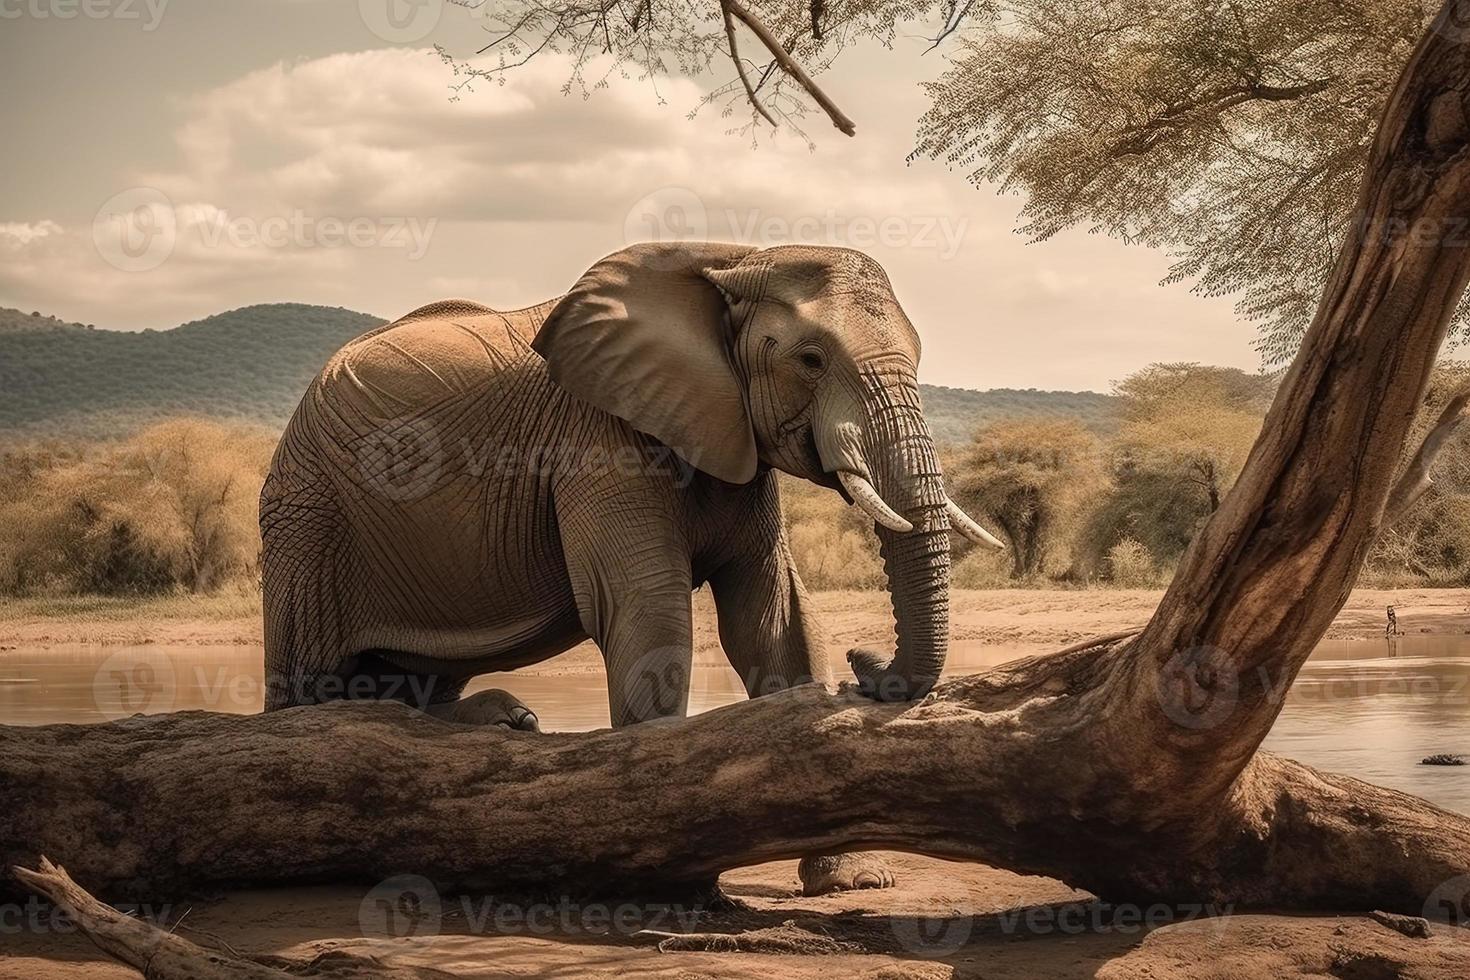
<point x="1128" y="767"/>
<point x="1003" y="768"/>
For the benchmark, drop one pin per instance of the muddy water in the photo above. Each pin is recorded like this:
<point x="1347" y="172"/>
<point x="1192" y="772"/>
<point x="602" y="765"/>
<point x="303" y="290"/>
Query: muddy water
<point x="1367" y="708"/>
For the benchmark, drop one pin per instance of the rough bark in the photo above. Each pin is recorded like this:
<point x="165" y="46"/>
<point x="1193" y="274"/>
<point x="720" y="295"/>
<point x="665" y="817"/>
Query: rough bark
<point x="1128" y="767"/>
<point x="1001" y="768"/>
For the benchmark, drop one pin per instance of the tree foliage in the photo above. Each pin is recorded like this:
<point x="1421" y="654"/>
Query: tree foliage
<point x="1192" y="422"/>
<point x="1029" y="477"/>
<point x="1231" y="135"/>
<point x="1185" y="434"/>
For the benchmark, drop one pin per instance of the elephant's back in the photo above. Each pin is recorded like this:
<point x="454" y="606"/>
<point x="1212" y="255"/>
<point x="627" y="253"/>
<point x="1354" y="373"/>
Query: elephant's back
<point x="391" y="505"/>
<point x="439" y="353"/>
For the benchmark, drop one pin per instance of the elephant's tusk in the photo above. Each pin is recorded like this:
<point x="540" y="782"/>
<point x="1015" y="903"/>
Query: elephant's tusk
<point x="965" y="524"/>
<point x="863" y="494"/>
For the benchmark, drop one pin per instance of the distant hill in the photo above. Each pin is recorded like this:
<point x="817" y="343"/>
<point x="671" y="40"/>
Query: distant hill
<point x="955" y="413"/>
<point x="252" y="364"/>
<point x="14" y="321"/>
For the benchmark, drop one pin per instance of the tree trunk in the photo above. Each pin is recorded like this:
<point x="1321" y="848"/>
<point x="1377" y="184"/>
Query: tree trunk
<point x="1129" y="768"/>
<point x="1002" y="768"/>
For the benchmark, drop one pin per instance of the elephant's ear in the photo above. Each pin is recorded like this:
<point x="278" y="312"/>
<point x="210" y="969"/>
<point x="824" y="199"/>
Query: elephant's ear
<point x="645" y="336"/>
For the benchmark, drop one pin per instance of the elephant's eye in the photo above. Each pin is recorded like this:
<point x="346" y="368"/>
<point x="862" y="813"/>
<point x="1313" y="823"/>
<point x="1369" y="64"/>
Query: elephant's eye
<point x="812" y="360"/>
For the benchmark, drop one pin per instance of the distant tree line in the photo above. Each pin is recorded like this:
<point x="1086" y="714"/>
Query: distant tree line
<point x="172" y="508"/>
<point x="1079" y="508"/>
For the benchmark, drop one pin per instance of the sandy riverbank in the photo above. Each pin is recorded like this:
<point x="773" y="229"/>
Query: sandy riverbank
<point x="943" y="920"/>
<point x="1031" y="617"/>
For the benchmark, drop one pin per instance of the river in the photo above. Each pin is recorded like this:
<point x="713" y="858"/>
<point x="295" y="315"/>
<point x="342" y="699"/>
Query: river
<point x="1366" y="708"/>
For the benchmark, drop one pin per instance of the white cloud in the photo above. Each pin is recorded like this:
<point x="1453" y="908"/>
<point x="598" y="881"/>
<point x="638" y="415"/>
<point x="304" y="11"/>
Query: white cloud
<point x="375" y="132"/>
<point x="507" y="194"/>
<point x="374" y="136"/>
<point x="17" y="235"/>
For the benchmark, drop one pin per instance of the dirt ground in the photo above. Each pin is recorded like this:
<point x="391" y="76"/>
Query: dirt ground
<point x="942" y="920"/>
<point x="1001" y="616"/>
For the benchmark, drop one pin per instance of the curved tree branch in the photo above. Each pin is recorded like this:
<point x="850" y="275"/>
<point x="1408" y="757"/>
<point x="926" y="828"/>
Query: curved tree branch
<point x="1145" y="136"/>
<point x="160" y="955"/>
<point x="740" y="65"/>
<point x="789" y="65"/>
<point x="1414" y="480"/>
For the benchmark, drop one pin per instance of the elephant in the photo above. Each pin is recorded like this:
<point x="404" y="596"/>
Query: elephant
<point x="464" y="491"/>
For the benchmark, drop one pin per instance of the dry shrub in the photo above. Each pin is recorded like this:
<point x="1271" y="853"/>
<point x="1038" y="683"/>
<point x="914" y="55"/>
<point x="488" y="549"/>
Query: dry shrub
<point x="831" y="558"/>
<point x="833" y="544"/>
<point x="982" y="568"/>
<point x="171" y="508"/>
<point x="1130" y="566"/>
<point x="1028" y="479"/>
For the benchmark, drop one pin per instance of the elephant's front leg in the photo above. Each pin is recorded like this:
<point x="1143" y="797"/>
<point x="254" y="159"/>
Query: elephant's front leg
<point x="629" y="569"/>
<point x="647" y="641"/>
<point x="633" y="596"/>
<point x="774" y="642"/>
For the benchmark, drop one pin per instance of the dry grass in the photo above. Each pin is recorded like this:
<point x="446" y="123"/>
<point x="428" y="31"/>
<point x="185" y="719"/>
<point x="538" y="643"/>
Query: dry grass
<point x="224" y="605"/>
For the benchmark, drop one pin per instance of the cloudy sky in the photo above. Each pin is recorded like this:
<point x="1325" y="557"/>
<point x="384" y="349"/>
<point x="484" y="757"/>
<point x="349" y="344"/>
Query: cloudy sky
<point x="169" y="160"/>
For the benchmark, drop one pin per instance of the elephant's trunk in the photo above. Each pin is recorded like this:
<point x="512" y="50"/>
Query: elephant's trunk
<point x="917" y="565"/>
<point x="899" y="453"/>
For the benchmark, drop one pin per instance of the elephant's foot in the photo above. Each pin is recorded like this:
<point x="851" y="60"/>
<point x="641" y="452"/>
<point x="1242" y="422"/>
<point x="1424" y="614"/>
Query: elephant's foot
<point x="493" y="707"/>
<point x="844" y="872"/>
